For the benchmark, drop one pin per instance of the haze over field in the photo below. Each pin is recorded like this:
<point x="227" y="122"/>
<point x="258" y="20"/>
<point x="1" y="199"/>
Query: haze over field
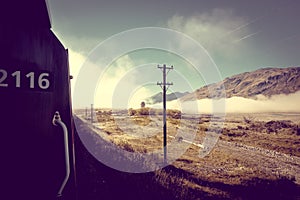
<point x="277" y="103"/>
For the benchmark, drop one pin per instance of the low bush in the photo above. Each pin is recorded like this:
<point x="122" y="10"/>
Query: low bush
<point x="176" y="114"/>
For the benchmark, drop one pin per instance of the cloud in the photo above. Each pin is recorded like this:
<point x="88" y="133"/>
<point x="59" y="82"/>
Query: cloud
<point x="109" y="80"/>
<point x="80" y="44"/>
<point x="124" y="83"/>
<point x="76" y="60"/>
<point x="120" y="86"/>
<point x="277" y="103"/>
<point x="117" y="87"/>
<point x="215" y="30"/>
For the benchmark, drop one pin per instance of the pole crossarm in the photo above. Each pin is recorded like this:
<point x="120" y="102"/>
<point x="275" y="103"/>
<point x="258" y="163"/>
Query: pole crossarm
<point x="160" y="83"/>
<point x="164" y="66"/>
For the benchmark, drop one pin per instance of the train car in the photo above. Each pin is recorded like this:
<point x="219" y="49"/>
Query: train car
<point x="36" y="129"/>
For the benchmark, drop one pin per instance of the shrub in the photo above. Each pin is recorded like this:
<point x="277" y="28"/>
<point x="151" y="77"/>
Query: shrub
<point x="176" y="114"/>
<point x="131" y="112"/>
<point x="297" y="130"/>
<point x="239" y="127"/>
<point x="143" y="111"/>
<point x="248" y="119"/>
<point x="125" y="145"/>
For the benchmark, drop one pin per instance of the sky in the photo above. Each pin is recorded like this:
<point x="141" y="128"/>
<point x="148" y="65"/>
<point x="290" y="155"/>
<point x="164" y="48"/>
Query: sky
<point x="114" y="54"/>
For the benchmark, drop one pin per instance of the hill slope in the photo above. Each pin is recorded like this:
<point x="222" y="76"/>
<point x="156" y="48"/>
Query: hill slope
<point x="266" y="81"/>
<point x="157" y="98"/>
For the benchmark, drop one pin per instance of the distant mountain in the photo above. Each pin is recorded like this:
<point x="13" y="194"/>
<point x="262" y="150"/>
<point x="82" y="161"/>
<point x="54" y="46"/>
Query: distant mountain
<point x="157" y="98"/>
<point x="266" y="81"/>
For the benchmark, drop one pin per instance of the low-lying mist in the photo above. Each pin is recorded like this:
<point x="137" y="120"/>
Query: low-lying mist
<point x="276" y="103"/>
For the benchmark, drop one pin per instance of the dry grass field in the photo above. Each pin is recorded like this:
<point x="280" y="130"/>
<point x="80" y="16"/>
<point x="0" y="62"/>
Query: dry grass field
<point x="255" y="154"/>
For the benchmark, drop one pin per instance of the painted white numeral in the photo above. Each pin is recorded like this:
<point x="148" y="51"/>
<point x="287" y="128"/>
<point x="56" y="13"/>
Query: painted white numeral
<point x="18" y="78"/>
<point x="43" y="82"/>
<point x="2" y="78"/>
<point x="31" y="76"/>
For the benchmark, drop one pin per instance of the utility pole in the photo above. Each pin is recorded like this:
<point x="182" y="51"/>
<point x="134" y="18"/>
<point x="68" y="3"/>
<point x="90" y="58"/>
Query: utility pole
<point x="92" y="110"/>
<point x="164" y="85"/>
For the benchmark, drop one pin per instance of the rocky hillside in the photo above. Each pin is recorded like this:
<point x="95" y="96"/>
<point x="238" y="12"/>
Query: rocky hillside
<point x="266" y="81"/>
<point x="157" y="98"/>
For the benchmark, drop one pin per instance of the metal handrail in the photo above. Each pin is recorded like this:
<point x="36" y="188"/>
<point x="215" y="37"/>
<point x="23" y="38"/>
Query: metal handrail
<point x="57" y="121"/>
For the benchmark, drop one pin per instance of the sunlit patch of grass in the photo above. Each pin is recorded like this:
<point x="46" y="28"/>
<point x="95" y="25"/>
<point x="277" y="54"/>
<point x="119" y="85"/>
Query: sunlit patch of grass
<point x="141" y="120"/>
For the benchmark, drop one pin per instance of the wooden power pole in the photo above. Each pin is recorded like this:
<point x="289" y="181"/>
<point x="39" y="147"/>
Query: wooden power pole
<point x="164" y="85"/>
